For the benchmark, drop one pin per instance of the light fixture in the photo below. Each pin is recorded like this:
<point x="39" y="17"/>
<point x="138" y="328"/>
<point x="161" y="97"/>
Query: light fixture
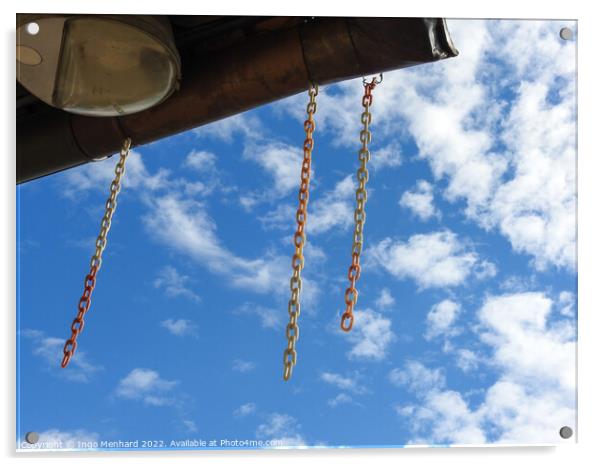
<point x="97" y="65"/>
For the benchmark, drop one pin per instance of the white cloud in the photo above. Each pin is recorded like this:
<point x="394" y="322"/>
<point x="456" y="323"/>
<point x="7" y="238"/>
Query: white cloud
<point x="98" y="176"/>
<point x="441" y="318"/>
<point x="515" y="283"/>
<point x="240" y="365"/>
<point x="282" y="217"/>
<point x="179" y="327"/>
<point x="566" y="303"/>
<point x="50" y="350"/>
<point x="341" y="398"/>
<point x="420" y="201"/>
<point x="417" y="378"/>
<point x="282" y="430"/>
<point x="206" y="174"/>
<point x="511" y="163"/>
<point x="467" y="360"/>
<point x="175" y="284"/>
<point x="438" y="101"/>
<point x="371" y="335"/>
<point x="333" y="210"/>
<point x="526" y="416"/>
<point x="516" y="327"/>
<point x="534" y="394"/>
<point x="184" y="225"/>
<point x="386" y="157"/>
<point x="314" y="253"/>
<point x="436" y="259"/>
<point x="146" y="385"/>
<point x="282" y="161"/>
<point x="269" y="318"/>
<point x="350" y="383"/>
<point x="385" y="300"/>
<point x="200" y="161"/>
<point x="245" y="409"/>
<point x="225" y="129"/>
<point x="536" y="209"/>
<point x="190" y="425"/>
<point x="443" y="417"/>
<point x="338" y="111"/>
<point x="249" y="200"/>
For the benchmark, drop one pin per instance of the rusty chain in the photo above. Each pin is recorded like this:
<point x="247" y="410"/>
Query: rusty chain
<point x="298" y="261"/>
<point x="361" y="196"/>
<point x="95" y="263"/>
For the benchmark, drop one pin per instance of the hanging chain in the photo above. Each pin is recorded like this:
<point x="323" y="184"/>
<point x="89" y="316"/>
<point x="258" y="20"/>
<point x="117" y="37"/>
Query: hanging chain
<point x="294" y="305"/>
<point x="95" y="263"/>
<point x="361" y="197"/>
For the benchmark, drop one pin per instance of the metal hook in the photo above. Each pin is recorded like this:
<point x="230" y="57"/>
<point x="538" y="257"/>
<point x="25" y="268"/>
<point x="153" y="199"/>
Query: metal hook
<point x="374" y="81"/>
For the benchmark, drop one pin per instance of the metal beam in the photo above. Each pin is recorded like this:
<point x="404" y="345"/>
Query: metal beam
<point x="215" y="85"/>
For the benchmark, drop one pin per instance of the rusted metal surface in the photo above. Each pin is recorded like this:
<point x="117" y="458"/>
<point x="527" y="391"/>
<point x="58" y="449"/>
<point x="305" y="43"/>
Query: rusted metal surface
<point x="223" y="74"/>
<point x="361" y="197"/>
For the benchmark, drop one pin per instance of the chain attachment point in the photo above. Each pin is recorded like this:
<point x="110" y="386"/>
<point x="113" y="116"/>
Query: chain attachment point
<point x="374" y="80"/>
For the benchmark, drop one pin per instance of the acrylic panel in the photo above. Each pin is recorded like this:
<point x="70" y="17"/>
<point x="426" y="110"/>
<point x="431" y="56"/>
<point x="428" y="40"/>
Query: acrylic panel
<point x="465" y="323"/>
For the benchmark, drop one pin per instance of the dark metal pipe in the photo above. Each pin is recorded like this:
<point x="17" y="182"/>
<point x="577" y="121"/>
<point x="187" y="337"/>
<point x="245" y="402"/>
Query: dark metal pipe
<point x="264" y="69"/>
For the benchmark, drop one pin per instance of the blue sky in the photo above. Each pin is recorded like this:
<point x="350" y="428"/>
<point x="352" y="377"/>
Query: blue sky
<point x="465" y="324"/>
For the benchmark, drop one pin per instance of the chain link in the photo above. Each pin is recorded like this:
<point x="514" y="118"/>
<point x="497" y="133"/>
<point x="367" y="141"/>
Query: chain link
<point x="96" y="261"/>
<point x="298" y="261"/>
<point x="361" y="197"/>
